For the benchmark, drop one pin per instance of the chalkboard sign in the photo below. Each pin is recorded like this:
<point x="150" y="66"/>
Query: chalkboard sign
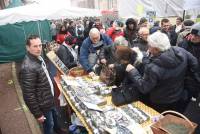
<point x="57" y="62"/>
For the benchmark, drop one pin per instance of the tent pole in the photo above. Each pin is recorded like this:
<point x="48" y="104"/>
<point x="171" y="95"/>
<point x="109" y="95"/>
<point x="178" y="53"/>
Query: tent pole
<point x="25" y="36"/>
<point x="183" y="14"/>
<point x="39" y="29"/>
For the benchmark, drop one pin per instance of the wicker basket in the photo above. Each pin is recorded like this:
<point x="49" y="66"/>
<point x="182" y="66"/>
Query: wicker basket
<point x="160" y="127"/>
<point x="77" y="71"/>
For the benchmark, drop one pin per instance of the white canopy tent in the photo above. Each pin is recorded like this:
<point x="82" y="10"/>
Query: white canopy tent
<point x="16" y="24"/>
<point x="163" y="8"/>
<point x="35" y="12"/>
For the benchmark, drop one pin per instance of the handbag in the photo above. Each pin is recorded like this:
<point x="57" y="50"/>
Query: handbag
<point x="171" y="124"/>
<point x="124" y="94"/>
<point x="107" y="75"/>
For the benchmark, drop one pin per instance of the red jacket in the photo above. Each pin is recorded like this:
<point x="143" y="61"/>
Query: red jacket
<point x="60" y="38"/>
<point x="112" y="33"/>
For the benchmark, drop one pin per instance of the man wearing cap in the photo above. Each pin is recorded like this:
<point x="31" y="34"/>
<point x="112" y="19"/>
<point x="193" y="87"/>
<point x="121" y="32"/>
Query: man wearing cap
<point x="186" y="27"/>
<point x="192" y="45"/>
<point x="90" y="48"/>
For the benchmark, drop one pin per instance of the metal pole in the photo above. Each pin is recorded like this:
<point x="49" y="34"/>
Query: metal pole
<point x="183" y="15"/>
<point x="39" y="30"/>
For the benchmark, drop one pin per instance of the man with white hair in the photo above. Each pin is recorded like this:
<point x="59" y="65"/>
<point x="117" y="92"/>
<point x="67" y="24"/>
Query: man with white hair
<point x="90" y="49"/>
<point x="163" y="78"/>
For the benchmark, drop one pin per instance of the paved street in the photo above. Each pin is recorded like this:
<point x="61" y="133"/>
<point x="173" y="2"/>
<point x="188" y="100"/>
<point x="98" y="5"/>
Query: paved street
<point x="13" y="119"/>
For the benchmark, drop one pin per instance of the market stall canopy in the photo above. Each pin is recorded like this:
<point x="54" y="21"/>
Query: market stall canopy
<point x="35" y="12"/>
<point x="163" y="8"/>
<point x="191" y="4"/>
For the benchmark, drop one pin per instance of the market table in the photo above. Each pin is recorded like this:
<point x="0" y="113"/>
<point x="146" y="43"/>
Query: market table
<point x="149" y="111"/>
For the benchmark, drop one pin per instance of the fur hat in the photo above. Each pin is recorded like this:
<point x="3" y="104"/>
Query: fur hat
<point x="131" y="21"/>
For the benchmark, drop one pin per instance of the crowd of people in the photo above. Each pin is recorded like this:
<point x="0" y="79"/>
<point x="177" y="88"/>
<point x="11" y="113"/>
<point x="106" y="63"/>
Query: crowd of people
<point x="162" y="62"/>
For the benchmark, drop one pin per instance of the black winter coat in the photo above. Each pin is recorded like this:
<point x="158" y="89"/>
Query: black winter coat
<point x="66" y="57"/>
<point x="35" y="86"/>
<point x="172" y="36"/>
<point x="141" y="44"/>
<point x="164" y="75"/>
<point x="190" y="83"/>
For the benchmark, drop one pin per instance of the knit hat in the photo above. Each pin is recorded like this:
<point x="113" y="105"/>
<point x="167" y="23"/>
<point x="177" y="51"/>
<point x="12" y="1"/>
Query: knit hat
<point x="188" y="23"/>
<point x="196" y="29"/>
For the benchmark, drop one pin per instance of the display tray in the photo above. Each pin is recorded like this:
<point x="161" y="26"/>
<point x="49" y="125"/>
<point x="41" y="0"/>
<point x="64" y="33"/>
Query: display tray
<point x="94" y="107"/>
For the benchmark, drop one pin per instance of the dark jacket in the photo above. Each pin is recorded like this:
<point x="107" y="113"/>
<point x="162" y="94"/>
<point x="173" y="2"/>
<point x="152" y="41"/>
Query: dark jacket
<point x="172" y="36"/>
<point x="87" y="48"/>
<point x="154" y="29"/>
<point x="164" y="75"/>
<point x="190" y="83"/>
<point x="35" y="86"/>
<point x="66" y="57"/>
<point x="108" y="53"/>
<point x="141" y="44"/>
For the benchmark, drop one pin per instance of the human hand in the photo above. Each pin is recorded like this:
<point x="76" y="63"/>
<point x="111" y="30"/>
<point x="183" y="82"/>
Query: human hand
<point x="129" y="67"/>
<point x="103" y="61"/>
<point x="92" y="74"/>
<point x="111" y="66"/>
<point x="41" y="119"/>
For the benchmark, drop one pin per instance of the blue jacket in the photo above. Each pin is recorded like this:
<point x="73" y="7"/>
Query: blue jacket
<point x="88" y="48"/>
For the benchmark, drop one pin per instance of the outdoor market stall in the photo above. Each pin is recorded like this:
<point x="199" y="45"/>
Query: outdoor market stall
<point x="91" y="101"/>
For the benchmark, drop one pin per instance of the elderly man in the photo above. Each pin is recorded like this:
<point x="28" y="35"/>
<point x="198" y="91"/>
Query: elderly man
<point x="141" y="41"/>
<point x="37" y="87"/>
<point x="164" y="73"/>
<point x="90" y="49"/>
